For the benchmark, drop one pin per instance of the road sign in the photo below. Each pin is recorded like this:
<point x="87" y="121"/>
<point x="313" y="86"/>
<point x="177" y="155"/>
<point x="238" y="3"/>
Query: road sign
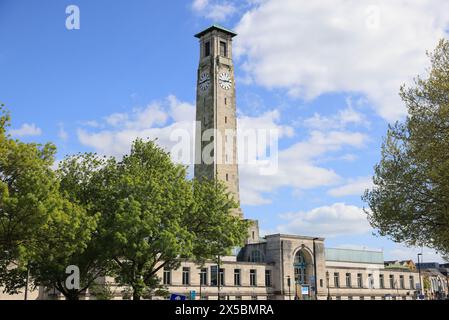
<point x="305" y="290"/>
<point x="177" y="297"/>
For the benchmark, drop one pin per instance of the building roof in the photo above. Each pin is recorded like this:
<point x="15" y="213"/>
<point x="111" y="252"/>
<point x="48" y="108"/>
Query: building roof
<point x="216" y="27"/>
<point x="356" y="256"/>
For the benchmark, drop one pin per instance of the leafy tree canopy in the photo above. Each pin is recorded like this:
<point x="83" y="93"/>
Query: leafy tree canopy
<point x="410" y="198"/>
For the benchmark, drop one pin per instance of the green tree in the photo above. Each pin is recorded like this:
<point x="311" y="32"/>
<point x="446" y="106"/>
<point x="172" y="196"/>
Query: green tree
<point x="410" y="198"/>
<point x="40" y="230"/>
<point x="156" y="217"/>
<point x="216" y="230"/>
<point x="81" y="182"/>
<point x="26" y="184"/>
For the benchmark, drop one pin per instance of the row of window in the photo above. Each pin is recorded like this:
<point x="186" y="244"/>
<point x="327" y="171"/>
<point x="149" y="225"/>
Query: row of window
<point x="371" y="298"/>
<point x="216" y="276"/>
<point x="204" y="297"/>
<point x="223" y="49"/>
<point x="392" y="281"/>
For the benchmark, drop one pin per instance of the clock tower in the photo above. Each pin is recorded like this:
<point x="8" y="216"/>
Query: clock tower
<point x="216" y="132"/>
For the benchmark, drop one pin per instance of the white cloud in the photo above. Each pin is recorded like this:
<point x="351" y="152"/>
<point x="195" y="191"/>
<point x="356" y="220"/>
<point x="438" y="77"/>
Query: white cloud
<point x="156" y="121"/>
<point x="344" y="117"/>
<point x="353" y="187"/>
<point x="26" y="130"/>
<point x="62" y="133"/>
<point x="327" y="221"/>
<point x="214" y="10"/>
<point x="140" y="118"/>
<point x="400" y="252"/>
<point x="297" y="165"/>
<point x="315" y="47"/>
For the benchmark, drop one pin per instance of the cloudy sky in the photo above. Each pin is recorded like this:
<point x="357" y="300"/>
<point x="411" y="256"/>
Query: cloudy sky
<point x="325" y="73"/>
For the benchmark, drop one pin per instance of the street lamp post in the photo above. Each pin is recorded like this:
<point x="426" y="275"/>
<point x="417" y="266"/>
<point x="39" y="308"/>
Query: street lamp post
<point x="328" y="288"/>
<point x="420" y="280"/>
<point x="218" y="277"/>
<point x="314" y="269"/>
<point x="27" y="281"/>
<point x="201" y="282"/>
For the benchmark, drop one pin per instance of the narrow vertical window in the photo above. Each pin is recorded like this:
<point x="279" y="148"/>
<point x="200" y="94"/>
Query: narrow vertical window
<point x="185" y="276"/>
<point x="382" y="281"/>
<point x="268" y="278"/>
<point x="252" y="278"/>
<point x="203" y="277"/>
<point x="348" y="280"/>
<point x="237" y="277"/>
<point x="222" y="277"/>
<point x="223" y="49"/>
<point x="226" y="119"/>
<point x="359" y="280"/>
<point x="214" y="276"/>
<point x="392" y="281"/>
<point x="167" y="276"/>
<point x="412" y="282"/>
<point x="207" y="49"/>
<point x="336" y="280"/>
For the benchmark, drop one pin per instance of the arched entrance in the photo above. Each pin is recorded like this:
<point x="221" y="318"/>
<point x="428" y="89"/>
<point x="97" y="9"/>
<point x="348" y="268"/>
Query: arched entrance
<point x="303" y="270"/>
<point x="300" y="266"/>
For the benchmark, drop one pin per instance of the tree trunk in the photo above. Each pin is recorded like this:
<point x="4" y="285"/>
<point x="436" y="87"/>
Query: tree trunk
<point x="73" y="296"/>
<point x="136" y="296"/>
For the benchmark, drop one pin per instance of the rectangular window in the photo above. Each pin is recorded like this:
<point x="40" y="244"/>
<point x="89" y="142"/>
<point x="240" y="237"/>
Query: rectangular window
<point x="370" y="281"/>
<point x="238" y="297"/>
<point x="167" y="276"/>
<point x="382" y="281"/>
<point x="321" y="283"/>
<point x="226" y="119"/>
<point x="207" y="49"/>
<point x="391" y="281"/>
<point x="223" y="49"/>
<point x="253" y="297"/>
<point x="359" y="280"/>
<point x="213" y="276"/>
<point x="401" y="282"/>
<point x="336" y="280"/>
<point x="237" y="281"/>
<point x="348" y="280"/>
<point x="268" y="278"/>
<point x="222" y="277"/>
<point x="412" y="282"/>
<point x="252" y="278"/>
<point x="203" y="277"/>
<point x="185" y="276"/>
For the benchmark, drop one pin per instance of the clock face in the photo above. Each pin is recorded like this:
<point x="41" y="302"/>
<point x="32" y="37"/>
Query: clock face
<point x="204" y="81"/>
<point x="224" y="79"/>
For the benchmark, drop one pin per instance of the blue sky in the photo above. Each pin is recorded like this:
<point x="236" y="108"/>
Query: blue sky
<point x="326" y="76"/>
